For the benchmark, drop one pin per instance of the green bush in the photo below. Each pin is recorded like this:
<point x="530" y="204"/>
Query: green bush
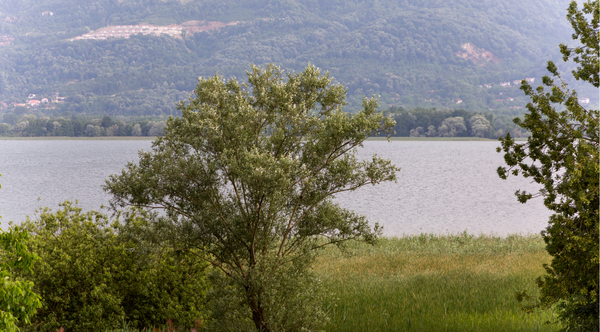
<point x="95" y="274"/>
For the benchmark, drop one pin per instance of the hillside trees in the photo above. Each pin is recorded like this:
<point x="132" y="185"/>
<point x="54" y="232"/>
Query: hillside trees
<point x="562" y="156"/>
<point x="247" y="176"/>
<point x="397" y="49"/>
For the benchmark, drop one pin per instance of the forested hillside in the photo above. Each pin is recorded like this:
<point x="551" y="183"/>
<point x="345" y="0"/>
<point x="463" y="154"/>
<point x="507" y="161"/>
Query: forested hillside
<point x="414" y="53"/>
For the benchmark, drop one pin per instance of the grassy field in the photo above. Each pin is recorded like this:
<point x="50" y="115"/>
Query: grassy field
<point x="435" y="283"/>
<point x="432" y="139"/>
<point x="441" y="139"/>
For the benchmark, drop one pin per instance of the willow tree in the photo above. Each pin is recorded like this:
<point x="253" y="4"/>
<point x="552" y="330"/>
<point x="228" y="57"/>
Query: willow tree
<point x="562" y="155"/>
<point x="247" y="177"/>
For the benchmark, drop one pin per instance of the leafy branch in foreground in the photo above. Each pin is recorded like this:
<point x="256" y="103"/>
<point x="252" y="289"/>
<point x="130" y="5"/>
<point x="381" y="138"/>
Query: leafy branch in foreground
<point x="247" y="177"/>
<point x="562" y="155"/>
<point x="18" y="302"/>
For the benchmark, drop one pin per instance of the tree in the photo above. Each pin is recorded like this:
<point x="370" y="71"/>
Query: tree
<point x="562" y="155"/>
<point x="18" y="302"/>
<point x="136" y="130"/>
<point x="480" y="126"/>
<point x="92" y="130"/>
<point x="417" y="132"/>
<point x="431" y="132"/>
<point x="247" y="177"/>
<point x="451" y="127"/>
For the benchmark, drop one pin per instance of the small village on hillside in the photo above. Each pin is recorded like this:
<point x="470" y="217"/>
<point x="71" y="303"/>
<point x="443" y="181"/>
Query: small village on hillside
<point x="33" y="101"/>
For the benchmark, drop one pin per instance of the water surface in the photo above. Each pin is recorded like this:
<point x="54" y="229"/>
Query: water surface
<point x="443" y="187"/>
<point x="446" y="187"/>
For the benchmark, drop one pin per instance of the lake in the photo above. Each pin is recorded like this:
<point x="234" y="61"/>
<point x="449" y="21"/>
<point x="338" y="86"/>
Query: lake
<point x="443" y="187"/>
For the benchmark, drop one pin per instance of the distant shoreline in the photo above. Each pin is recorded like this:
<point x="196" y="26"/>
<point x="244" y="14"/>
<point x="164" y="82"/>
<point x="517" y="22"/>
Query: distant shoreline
<point x="70" y="138"/>
<point x="148" y="138"/>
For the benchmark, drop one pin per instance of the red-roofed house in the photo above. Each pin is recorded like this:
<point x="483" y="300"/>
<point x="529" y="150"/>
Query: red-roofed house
<point x="33" y="103"/>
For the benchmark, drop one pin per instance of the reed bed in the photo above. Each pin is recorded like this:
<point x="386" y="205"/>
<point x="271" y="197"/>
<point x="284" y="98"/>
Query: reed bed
<point x="435" y="283"/>
<point x="432" y="283"/>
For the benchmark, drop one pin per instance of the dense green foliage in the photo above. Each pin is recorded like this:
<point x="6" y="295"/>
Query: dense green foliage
<point x="407" y="51"/>
<point x="18" y="302"/>
<point x="30" y="125"/>
<point x="562" y="155"/>
<point x="247" y="176"/>
<point x="95" y="274"/>
<point x="421" y="122"/>
<point x="414" y="122"/>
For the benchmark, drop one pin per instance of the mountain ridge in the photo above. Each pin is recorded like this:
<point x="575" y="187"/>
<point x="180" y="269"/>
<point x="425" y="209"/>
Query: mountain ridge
<point x="406" y="52"/>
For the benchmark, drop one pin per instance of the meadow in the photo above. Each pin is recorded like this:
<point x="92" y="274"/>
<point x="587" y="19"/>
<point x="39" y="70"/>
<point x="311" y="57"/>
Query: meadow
<point x="435" y="283"/>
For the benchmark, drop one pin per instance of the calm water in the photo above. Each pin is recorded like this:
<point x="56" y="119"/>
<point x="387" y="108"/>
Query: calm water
<point x="443" y="187"/>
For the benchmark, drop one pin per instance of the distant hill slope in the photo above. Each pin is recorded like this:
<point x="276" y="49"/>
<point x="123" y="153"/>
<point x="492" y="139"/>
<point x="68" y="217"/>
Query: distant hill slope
<point x="428" y="53"/>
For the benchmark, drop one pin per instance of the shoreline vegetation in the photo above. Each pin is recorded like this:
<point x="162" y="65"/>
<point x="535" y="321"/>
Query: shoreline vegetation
<point x="149" y="138"/>
<point x="429" y="282"/>
<point x="84" y="138"/>
<point x="409" y="123"/>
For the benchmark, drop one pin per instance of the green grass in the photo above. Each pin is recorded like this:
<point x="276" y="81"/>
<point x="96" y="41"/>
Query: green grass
<point x="437" y="139"/>
<point x="435" y="283"/>
<point x="431" y="139"/>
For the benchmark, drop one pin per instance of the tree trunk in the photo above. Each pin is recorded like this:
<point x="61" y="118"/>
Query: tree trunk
<point x="258" y="312"/>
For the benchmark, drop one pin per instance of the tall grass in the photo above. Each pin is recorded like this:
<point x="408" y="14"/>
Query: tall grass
<point x="435" y="283"/>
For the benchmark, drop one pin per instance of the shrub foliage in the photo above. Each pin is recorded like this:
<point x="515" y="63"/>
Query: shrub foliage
<point x="95" y="274"/>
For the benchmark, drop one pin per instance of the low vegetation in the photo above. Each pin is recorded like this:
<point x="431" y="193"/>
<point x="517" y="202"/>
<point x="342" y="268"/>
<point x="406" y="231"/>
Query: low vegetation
<point x="434" y="283"/>
<point x="94" y="273"/>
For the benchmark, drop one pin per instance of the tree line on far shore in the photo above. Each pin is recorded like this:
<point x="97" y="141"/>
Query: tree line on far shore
<point x="416" y="122"/>
<point x="30" y="125"/>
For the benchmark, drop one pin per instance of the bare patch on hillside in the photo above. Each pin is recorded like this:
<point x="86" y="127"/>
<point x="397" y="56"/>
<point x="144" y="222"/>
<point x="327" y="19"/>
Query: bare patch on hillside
<point x="479" y="56"/>
<point x="173" y="30"/>
<point x="197" y="26"/>
<point x="183" y="2"/>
